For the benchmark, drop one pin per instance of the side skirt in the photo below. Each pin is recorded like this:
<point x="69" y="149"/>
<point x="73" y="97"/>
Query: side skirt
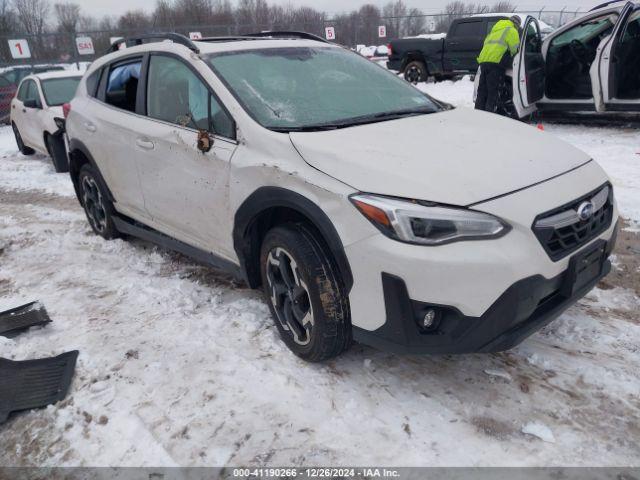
<point x="139" y="230"/>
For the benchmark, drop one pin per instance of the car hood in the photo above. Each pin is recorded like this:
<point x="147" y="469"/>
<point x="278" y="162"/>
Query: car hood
<point x="457" y="157"/>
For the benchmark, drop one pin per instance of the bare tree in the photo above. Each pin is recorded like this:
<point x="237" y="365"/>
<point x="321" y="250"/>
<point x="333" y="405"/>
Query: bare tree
<point x="32" y="15"/>
<point x="68" y="16"/>
<point x="503" y="7"/>
<point x="134" y="20"/>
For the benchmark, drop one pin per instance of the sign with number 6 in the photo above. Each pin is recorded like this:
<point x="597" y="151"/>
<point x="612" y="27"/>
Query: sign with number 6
<point x="19" y="48"/>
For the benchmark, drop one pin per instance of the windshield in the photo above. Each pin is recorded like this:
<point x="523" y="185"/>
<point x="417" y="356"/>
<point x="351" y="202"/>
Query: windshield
<point x="58" y="91"/>
<point x="297" y="88"/>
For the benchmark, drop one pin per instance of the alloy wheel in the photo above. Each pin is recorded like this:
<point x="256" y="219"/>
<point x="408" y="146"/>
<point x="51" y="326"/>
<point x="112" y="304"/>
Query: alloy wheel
<point x="94" y="205"/>
<point x="289" y="295"/>
<point x="414" y="74"/>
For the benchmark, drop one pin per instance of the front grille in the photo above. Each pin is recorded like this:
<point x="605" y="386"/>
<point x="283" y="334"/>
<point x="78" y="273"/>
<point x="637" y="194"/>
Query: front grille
<point x="563" y="230"/>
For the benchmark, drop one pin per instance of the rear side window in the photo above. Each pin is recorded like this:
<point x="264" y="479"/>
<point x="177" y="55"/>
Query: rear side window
<point x="93" y="81"/>
<point x="122" y="85"/>
<point x="469" y="29"/>
<point x="175" y="94"/>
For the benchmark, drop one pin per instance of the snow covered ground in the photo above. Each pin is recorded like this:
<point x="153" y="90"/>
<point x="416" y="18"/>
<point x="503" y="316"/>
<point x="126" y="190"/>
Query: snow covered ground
<point x="180" y="366"/>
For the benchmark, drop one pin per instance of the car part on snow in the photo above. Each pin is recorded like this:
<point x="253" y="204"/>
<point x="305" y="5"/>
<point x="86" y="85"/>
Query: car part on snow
<point x="34" y="383"/>
<point x="14" y="321"/>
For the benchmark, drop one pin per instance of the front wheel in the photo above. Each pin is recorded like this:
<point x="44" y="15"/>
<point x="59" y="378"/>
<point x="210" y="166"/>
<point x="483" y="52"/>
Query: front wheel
<point x="97" y="206"/>
<point x="305" y="293"/>
<point x="21" y="146"/>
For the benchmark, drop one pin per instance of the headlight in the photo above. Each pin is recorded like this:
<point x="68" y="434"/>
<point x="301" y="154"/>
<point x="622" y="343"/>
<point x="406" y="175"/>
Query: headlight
<point x="413" y="222"/>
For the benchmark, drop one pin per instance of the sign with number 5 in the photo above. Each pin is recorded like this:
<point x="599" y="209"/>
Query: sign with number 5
<point x="19" y="48"/>
<point x="330" y="33"/>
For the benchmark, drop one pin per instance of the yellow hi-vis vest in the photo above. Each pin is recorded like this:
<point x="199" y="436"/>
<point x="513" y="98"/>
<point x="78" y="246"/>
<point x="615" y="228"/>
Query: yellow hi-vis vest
<point x="503" y="37"/>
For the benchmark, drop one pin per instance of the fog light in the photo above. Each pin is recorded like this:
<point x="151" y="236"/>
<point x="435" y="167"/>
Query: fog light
<point x="429" y="319"/>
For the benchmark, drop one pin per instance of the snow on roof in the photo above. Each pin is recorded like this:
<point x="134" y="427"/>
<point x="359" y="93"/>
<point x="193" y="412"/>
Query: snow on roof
<point x="57" y="74"/>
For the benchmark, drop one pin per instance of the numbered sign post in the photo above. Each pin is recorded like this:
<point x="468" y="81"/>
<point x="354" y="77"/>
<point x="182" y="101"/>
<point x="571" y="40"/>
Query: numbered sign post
<point x="195" y="35"/>
<point x="431" y="25"/>
<point x="330" y="33"/>
<point x="85" y="46"/>
<point x="382" y="31"/>
<point x="19" y="48"/>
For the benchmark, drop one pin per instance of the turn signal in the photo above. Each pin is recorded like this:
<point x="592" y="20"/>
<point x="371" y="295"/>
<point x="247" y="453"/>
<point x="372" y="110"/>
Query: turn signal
<point x="375" y="214"/>
<point x="66" y="108"/>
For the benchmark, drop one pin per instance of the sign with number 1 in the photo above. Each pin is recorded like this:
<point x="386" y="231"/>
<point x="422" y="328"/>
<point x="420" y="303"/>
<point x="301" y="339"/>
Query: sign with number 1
<point x="19" y="48"/>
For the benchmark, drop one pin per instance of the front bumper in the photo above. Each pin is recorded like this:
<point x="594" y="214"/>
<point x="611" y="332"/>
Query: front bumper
<point x="525" y="307"/>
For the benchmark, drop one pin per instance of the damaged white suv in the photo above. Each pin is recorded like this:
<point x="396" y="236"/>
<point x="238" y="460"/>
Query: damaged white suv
<point x="365" y="209"/>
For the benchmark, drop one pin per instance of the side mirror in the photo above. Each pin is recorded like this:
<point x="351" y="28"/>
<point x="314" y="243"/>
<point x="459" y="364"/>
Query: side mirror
<point x="32" y="103"/>
<point x="205" y="142"/>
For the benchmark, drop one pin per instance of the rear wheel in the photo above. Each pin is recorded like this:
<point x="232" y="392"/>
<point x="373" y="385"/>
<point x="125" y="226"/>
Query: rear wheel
<point x="415" y="72"/>
<point x="97" y="207"/>
<point x="305" y="293"/>
<point x="21" y="146"/>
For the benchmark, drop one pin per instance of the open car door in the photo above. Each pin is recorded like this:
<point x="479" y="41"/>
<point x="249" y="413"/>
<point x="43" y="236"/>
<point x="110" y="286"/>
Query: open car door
<point x="528" y="70"/>
<point x="615" y="73"/>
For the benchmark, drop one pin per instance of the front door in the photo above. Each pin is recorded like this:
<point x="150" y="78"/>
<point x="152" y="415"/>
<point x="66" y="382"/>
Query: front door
<point x="528" y="70"/>
<point x="616" y="71"/>
<point x="185" y="189"/>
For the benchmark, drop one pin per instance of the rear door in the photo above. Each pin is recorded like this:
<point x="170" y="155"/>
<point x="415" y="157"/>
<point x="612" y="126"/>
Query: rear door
<point x="528" y="70"/>
<point x="185" y="189"/>
<point x="615" y="73"/>
<point x="108" y="125"/>
<point x="463" y="45"/>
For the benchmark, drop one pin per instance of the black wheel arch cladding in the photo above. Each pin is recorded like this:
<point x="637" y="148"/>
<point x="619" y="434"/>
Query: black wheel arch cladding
<point x="76" y="150"/>
<point x="246" y="232"/>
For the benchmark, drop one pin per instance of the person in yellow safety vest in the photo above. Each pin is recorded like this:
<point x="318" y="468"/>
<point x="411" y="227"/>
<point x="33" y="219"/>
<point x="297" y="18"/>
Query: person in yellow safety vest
<point x="496" y="56"/>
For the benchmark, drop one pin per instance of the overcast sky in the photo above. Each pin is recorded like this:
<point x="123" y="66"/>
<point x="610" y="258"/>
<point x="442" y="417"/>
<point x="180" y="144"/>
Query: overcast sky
<point x="116" y="7"/>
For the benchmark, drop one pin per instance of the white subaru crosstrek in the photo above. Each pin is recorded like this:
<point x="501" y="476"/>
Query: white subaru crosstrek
<point x="364" y="208"/>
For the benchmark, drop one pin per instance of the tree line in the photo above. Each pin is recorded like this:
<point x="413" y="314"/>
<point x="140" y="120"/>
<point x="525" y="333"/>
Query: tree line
<point x="41" y="19"/>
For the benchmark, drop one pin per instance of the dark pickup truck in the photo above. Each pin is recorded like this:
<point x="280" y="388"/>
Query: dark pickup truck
<point x="442" y="58"/>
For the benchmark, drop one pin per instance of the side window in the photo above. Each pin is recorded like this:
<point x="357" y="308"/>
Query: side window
<point x="22" y="93"/>
<point x="175" y="94"/>
<point x="32" y="92"/>
<point x="122" y="85"/>
<point x="92" y="83"/>
<point x="490" y="25"/>
<point x="469" y="29"/>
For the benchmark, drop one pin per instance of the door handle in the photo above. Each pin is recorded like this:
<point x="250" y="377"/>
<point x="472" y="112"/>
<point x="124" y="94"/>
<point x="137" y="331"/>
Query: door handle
<point x="145" y="144"/>
<point x="24" y="110"/>
<point x="90" y="127"/>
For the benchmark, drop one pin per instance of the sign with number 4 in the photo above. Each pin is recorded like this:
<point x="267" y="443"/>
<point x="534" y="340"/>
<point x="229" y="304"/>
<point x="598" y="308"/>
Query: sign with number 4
<point x="330" y="33"/>
<point x="19" y="48"/>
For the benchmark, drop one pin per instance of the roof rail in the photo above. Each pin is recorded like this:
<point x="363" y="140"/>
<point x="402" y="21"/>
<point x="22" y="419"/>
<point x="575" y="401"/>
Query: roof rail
<point x="140" y="39"/>
<point x="287" y="34"/>
<point x="605" y="4"/>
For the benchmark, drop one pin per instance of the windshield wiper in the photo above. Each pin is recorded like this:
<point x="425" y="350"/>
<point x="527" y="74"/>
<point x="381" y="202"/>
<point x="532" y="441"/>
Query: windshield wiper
<point x="362" y="120"/>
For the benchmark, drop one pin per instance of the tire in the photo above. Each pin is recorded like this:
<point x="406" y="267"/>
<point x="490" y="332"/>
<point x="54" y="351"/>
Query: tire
<point x="97" y="207"/>
<point x="24" y="150"/>
<point x="305" y="293"/>
<point x="57" y="152"/>
<point x="416" y="72"/>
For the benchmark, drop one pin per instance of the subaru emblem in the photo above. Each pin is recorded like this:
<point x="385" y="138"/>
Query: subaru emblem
<point x="585" y="211"/>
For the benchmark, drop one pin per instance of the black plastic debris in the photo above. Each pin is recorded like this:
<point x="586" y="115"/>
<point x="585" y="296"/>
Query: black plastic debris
<point x="16" y="320"/>
<point x="34" y="383"/>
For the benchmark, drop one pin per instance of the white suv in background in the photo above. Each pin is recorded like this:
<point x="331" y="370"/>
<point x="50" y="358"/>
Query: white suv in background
<point x="365" y="209"/>
<point x="37" y="116"/>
